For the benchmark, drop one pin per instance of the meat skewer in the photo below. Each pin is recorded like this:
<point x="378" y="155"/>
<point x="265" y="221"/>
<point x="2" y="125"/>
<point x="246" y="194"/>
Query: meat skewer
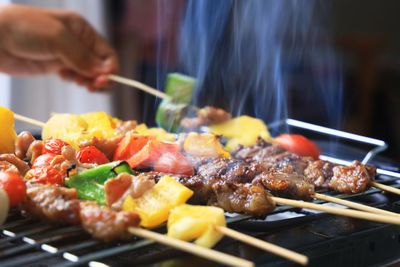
<point x="321" y="174"/>
<point x="218" y="185"/>
<point x="60" y="205"/>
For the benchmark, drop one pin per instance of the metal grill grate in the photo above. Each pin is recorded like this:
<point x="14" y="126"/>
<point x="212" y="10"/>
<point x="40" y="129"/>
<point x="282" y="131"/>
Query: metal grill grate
<point x="26" y="242"/>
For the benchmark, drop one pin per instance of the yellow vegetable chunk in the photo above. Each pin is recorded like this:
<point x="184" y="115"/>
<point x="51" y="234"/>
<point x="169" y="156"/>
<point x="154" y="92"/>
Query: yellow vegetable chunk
<point x="154" y="205"/>
<point x="243" y="130"/>
<point x="191" y="222"/>
<point x="7" y="133"/>
<point x="75" y="129"/>
<point x="159" y="133"/>
<point x="204" y="145"/>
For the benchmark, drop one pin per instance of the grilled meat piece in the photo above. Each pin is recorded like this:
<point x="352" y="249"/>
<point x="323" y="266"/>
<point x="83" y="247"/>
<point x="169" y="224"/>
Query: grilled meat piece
<point x="21" y="165"/>
<point x="241" y="198"/>
<point x="320" y="173"/>
<point x="233" y="170"/>
<point x="22" y="143"/>
<point x="354" y="178"/>
<point x="106" y="224"/>
<point x="35" y="150"/>
<point x="258" y="152"/>
<point x="282" y="184"/>
<point x="58" y="205"/>
<point x="230" y="196"/>
<point x="205" y="116"/>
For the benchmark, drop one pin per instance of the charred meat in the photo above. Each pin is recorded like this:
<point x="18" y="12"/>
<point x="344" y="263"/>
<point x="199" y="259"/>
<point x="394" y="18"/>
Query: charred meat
<point x="106" y="224"/>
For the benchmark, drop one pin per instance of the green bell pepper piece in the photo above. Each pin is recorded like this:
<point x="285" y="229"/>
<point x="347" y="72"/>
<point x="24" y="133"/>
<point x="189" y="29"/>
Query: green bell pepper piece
<point x="180" y="87"/>
<point x="90" y="183"/>
<point x="170" y="111"/>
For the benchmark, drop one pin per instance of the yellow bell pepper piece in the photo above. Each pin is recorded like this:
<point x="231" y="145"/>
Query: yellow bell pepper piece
<point x="7" y="133"/>
<point x="159" y="133"/>
<point x="242" y="130"/>
<point x="154" y="205"/>
<point x="190" y="222"/>
<point x="75" y="129"/>
<point x="204" y="145"/>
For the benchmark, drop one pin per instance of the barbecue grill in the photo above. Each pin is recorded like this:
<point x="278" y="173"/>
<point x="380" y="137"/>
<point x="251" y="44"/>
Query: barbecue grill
<point x="327" y="240"/>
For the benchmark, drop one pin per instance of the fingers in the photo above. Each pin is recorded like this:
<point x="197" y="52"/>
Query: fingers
<point x="95" y="84"/>
<point x="20" y="66"/>
<point x="100" y="57"/>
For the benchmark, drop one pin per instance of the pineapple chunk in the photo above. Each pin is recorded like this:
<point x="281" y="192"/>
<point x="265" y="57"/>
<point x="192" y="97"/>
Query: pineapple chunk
<point x="190" y="222"/>
<point x="75" y="129"/>
<point x="154" y="205"/>
<point x="7" y="133"/>
<point x="242" y="130"/>
<point x="204" y="145"/>
<point x="159" y="133"/>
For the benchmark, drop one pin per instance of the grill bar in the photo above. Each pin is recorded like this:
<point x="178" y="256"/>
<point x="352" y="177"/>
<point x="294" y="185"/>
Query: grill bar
<point x="101" y="254"/>
<point x="20" y="261"/>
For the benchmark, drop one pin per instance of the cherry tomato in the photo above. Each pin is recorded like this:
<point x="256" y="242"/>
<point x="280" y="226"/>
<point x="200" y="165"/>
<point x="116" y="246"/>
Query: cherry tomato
<point x="91" y="154"/>
<point x="298" y="144"/>
<point x="14" y="186"/>
<point x="173" y="162"/>
<point x="53" y="146"/>
<point x="43" y="160"/>
<point x="47" y="175"/>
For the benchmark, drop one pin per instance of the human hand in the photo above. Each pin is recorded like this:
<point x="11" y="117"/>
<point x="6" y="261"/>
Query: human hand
<point x="38" y="41"/>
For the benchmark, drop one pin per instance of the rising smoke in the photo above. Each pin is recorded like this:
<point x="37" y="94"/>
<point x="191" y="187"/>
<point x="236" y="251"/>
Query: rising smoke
<point x="267" y="58"/>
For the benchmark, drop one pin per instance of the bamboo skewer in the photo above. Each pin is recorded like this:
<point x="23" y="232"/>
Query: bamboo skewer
<point x="338" y="211"/>
<point x="191" y="248"/>
<point x="386" y="188"/>
<point x="138" y="85"/>
<point x="280" y="251"/>
<point x="29" y="120"/>
<point x="354" y="205"/>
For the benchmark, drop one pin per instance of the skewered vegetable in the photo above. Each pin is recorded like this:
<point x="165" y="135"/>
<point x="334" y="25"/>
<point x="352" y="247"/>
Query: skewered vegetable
<point x="154" y="205"/>
<point x="13" y="184"/>
<point x="75" y="129"/>
<point x="298" y="144"/>
<point x="91" y="154"/>
<point x="146" y="152"/>
<point x="90" y="183"/>
<point x="53" y="146"/>
<point x="7" y="133"/>
<point x="159" y="133"/>
<point x="170" y="112"/>
<point x="234" y="130"/>
<point x="204" y="145"/>
<point x="189" y="222"/>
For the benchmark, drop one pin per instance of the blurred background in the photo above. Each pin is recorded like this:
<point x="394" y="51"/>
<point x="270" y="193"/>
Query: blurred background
<point x="342" y="57"/>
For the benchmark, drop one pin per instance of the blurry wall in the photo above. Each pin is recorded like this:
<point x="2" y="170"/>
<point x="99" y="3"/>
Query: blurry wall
<point x="38" y="96"/>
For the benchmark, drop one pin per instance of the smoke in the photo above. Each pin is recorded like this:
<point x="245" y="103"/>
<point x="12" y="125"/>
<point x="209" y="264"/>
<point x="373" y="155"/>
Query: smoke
<point x="266" y="58"/>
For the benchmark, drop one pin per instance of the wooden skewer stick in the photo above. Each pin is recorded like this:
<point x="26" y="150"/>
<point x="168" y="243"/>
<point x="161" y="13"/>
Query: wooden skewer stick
<point x="191" y="248"/>
<point x="339" y="211"/>
<point x="280" y="251"/>
<point x="354" y="205"/>
<point x="138" y="85"/>
<point x="29" y="120"/>
<point x="386" y="188"/>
